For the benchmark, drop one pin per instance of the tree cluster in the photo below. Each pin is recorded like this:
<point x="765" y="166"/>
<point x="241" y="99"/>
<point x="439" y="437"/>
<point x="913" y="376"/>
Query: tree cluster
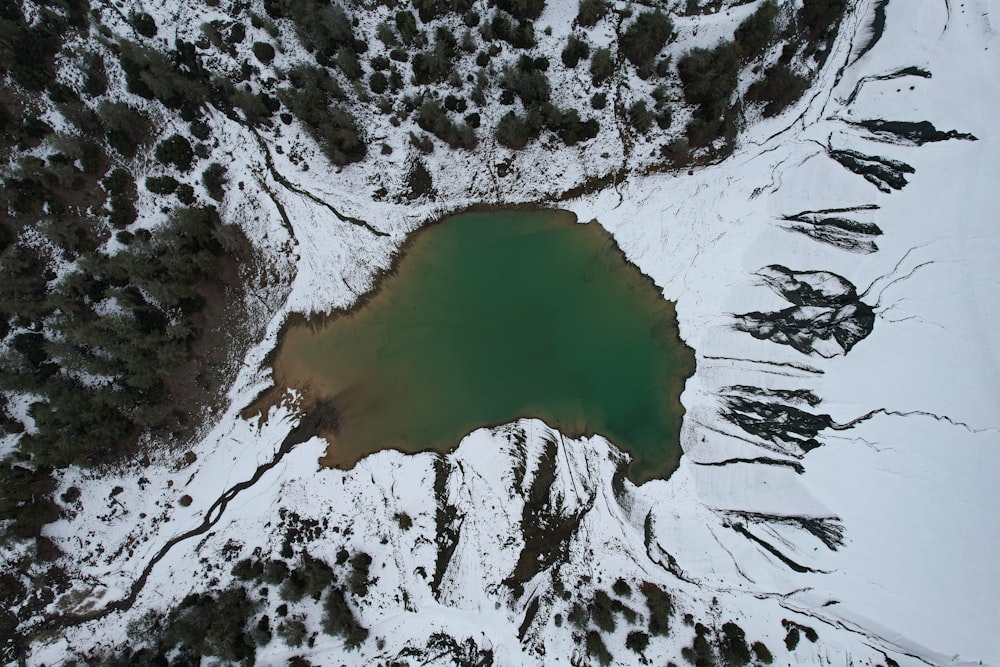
<point x="435" y="64"/>
<point x="313" y="97"/>
<point x="756" y="32"/>
<point x="779" y="88"/>
<point x="708" y="78"/>
<point x="645" y="38"/>
<point x="433" y="117"/>
<point x="520" y="35"/>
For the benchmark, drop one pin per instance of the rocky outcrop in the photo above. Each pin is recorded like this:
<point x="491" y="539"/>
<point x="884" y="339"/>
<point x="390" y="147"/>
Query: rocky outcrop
<point x="827" y="317"/>
<point x="885" y="174"/>
<point x="830" y="226"/>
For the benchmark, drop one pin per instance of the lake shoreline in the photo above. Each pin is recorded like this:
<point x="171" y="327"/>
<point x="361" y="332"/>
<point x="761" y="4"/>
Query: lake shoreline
<point x="313" y="398"/>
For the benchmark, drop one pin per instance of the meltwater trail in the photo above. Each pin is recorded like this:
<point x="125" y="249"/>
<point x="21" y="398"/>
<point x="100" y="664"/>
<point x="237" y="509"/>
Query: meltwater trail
<point x="269" y="162"/>
<point x="308" y="426"/>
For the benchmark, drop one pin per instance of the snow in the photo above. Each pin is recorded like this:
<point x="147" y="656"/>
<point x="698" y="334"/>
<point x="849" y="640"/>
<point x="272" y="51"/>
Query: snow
<point x="913" y="486"/>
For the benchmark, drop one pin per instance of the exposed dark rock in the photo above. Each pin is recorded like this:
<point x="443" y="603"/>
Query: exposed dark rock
<point x="441" y="646"/>
<point x="828" y="530"/>
<point x="529" y="617"/>
<point x="829" y="226"/>
<point x="778" y="423"/>
<point x="885" y="174"/>
<point x="837" y="238"/>
<point x="827" y="317"/>
<point x="545" y="528"/>
<point x="447" y="521"/>
<point x="916" y="134"/>
<point x="763" y="460"/>
<point x="770" y="548"/>
<point x="791" y="395"/>
<point x="658" y="554"/>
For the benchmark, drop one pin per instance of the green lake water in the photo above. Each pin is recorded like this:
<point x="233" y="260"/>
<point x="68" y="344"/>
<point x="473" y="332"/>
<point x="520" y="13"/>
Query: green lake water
<point x="493" y="316"/>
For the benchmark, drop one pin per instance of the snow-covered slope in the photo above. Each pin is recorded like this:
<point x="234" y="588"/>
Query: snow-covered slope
<point x="841" y="436"/>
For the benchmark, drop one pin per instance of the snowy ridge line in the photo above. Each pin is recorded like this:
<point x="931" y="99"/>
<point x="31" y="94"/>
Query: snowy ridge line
<point x="882" y="638"/>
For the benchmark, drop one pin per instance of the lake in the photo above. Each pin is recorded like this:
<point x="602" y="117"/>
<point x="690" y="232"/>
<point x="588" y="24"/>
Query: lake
<point x="493" y="316"/>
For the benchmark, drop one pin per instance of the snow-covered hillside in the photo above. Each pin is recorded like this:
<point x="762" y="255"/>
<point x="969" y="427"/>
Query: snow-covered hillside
<point x="836" y="501"/>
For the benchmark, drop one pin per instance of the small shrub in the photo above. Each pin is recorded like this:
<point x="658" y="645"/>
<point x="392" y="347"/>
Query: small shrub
<point x="125" y="128"/>
<point x="664" y="118"/>
<point x="348" y="63"/>
<point x="422" y="143"/>
<point x="646" y="37"/>
<point x="339" y="621"/>
<point x="762" y="653"/>
<point x="406" y="25"/>
<point x="378" y="83"/>
<point x="70" y="495"/>
<point x="213" y="625"/>
<point x="571" y="129"/>
<point x="311" y="98"/>
<point x="161" y="185"/>
<point x="660" y="608"/>
<point x="214" y="180"/>
<point x="433" y="118"/>
<point x="175" y="150"/>
<point x="144" y="24"/>
<point x="780" y="88"/>
<point x="578" y="616"/>
<point x="248" y="569"/>
<point x="596" y="648"/>
<point x="528" y="83"/>
<point x="261" y="631"/>
<point x="599" y="100"/>
<point x="274" y="572"/>
<point x="358" y="580"/>
<point x="637" y="641"/>
<point x="602" y="66"/>
<point x="419" y="183"/>
<point x="576" y="49"/>
<point x="792" y="638"/>
<point x="755" y="33"/>
<point x="121" y="195"/>
<point x="708" y="77"/>
<point x="292" y="631"/>
<point x="621" y="588"/>
<point x="820" y="18"/>
<point x="185" y="194"/>
<point x="590" y="12"/>
<point x="522" y="9"/>
<point x="733" y="646"/>
<point x="641" y="119"/>
<point x="264" y="52"/>
<point x="512" y="131"/>
<point x="700" y="653"/>
<point x="403" y="520"/>
<point x="602" y="611"/>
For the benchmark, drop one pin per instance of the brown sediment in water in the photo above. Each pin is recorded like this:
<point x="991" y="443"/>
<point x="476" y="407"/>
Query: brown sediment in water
<point x="354" y="394"/>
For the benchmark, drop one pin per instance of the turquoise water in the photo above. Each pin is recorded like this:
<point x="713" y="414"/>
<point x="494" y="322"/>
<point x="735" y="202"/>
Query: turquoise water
<point x="494" y="316"/>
